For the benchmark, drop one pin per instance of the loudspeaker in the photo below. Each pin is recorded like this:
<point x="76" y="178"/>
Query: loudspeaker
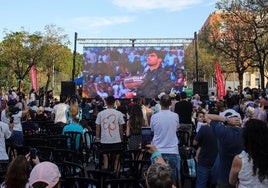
<point x="68" y="88"/>
<point x="200" y="88"/>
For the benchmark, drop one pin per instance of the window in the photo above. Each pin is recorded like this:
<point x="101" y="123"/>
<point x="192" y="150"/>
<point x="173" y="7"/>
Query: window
<point x="257" y="81"/>
<point x="248" y="79"/>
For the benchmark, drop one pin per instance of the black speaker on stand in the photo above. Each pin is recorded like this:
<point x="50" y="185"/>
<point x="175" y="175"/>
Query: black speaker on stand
<point x="68" y="89"/>
<point x="201" y="88"/>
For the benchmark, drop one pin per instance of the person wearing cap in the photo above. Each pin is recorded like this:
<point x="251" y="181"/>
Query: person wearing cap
<point x="228" y="131"/>
<point x="45" y="174"/>
<point x="156" y="79"/>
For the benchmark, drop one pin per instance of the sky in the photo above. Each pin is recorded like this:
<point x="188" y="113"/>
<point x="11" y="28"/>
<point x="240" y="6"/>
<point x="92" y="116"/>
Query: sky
<point x="107" y="18"/>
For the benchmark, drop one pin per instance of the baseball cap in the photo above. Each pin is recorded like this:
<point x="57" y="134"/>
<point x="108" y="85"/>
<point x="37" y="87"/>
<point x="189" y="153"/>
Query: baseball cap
<point x="46" y="172"/>
<point x="230" y="113"/>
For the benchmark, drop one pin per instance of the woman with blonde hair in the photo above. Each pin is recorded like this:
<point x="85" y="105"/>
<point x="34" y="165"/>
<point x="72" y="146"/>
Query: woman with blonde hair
<point x="74" y="117"/>
<point x="74" y="113"/>
<point x="40" y="115"/>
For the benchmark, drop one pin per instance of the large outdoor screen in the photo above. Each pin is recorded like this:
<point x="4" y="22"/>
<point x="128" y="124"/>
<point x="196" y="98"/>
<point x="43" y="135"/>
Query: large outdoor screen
<point x="127" y="72"/>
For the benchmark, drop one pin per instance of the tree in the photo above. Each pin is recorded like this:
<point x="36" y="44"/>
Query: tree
<point x="229" y="37"/>
<point x="258" y="24"/>
<point x="250" y="18"/>
<point x="49" y="53"/>
<point x="19" y="51"/>
<point x="57" y="56"/>
<point x="206" y="61"/>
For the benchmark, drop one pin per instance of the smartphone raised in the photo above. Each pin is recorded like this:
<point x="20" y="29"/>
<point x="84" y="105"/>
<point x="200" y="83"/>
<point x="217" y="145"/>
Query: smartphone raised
<point x="146" y="136"/>
<point x="33" y="152"/>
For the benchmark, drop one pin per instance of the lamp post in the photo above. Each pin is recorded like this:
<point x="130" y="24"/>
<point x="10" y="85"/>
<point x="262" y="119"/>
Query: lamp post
<point x="196" y="56"/>
<point x="53" y="74"/>
<point x="74" y="55"/>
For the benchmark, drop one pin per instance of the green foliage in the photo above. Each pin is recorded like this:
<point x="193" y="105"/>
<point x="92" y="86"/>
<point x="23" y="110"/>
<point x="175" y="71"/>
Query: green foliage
<point x="206" y="61"/>
<point x="48" y="52"/>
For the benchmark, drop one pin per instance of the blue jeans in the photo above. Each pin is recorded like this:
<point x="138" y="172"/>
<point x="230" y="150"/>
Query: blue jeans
<point x="16" y="139"/>
<point x="203" y="176"/>
<point x="174" y="160"/>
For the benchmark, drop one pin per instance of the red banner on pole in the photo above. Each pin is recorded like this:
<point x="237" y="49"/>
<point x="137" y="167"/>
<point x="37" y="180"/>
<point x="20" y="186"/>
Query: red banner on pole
<point x="33" y="77"/>
<point x="220" y="82"/>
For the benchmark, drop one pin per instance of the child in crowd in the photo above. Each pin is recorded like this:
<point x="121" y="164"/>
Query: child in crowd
<point x="200" y="118"/>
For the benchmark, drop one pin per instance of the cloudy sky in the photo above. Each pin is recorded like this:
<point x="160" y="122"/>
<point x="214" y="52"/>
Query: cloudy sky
<point x="108" y="18"/>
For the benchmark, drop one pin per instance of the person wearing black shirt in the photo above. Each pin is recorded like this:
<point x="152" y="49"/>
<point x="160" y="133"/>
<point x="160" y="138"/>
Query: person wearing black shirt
<point x="184" y="109"/>
<point x="156" y="79"/>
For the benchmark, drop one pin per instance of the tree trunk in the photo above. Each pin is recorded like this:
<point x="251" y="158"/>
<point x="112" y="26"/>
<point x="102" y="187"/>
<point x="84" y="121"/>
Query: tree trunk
<point x="240" y="78"/>
<point x="262" y="77"/>
<point x="46" y="87"/>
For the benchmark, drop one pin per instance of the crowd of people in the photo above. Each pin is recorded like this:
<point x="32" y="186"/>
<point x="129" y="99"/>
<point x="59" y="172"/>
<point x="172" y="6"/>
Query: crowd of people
<point x="230" y="136"/>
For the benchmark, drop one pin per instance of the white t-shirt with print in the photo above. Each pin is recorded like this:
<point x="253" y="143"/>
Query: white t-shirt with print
<point x="109" y="120"/>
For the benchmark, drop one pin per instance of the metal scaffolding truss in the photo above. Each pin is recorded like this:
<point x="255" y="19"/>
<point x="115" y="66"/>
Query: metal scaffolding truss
<point x="104" y="42"/>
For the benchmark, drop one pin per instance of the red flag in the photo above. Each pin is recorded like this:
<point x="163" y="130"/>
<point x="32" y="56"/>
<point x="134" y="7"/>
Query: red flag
<point x="33" y="77"/>
<point x="220" y="82"/>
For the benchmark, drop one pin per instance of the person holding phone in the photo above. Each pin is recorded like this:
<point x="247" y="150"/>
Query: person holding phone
<point x="146" y="134"/>
<point x="164" y="125"/>
<point x="33" y="152"/>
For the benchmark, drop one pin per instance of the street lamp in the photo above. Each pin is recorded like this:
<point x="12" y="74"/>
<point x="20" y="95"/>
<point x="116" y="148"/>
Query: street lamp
<point x="196" y="56"/>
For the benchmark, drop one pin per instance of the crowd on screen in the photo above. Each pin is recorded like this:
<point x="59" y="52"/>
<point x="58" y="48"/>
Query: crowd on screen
<point x="106" y="69"/>
<point x="229" y="137"/>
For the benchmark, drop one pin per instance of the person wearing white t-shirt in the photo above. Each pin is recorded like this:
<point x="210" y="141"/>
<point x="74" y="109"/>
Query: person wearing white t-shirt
<point x="5" y="133"/>
<point x="164" y="126"/>
<point x="59" y="112"/>
<point x="109" y="130"/>
<point x="13" y="114"/>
